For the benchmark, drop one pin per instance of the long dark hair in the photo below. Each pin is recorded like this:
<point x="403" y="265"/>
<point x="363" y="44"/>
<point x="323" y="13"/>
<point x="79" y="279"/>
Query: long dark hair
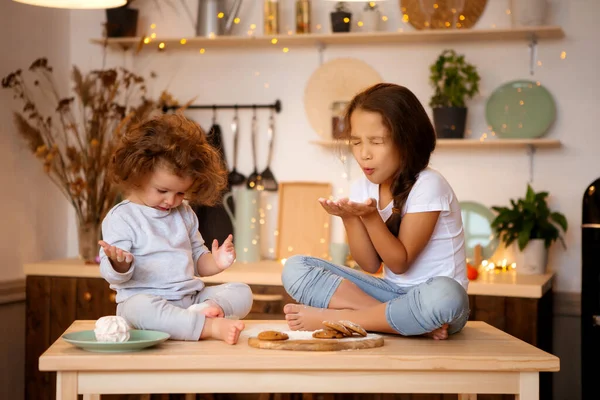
<point x="413" y="134"/>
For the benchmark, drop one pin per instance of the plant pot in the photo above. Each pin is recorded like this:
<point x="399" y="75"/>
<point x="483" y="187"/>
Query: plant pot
<point x="89" y="234"/>
<point x="450" y="122"/>
<point x="533" y="259"/>
<point x="121" y="22"/>
<point x="337" y="21"/>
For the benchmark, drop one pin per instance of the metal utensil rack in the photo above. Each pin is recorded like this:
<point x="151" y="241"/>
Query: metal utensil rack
<point x="274" y="106"/>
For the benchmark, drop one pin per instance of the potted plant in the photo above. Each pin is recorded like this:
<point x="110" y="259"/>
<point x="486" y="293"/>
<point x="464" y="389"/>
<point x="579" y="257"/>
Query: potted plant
<point x="73" y="136"/>
<point x="454" y="81"/>
<point x="531" y="228"/>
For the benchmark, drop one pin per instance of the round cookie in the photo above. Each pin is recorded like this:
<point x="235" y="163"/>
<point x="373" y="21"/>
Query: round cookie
<point x="272" y="335"/>
<point x="338" y="327"/>
<point x="354" y="327"/>
<point x="327" y="334"/>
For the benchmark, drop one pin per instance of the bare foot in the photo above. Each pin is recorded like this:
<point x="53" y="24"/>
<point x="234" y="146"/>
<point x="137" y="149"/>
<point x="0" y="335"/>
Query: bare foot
<point x="209" y="308"/>
<point x="440" y="333"/>
<point x="223" y="329"/>
<point x="305" y="318"/>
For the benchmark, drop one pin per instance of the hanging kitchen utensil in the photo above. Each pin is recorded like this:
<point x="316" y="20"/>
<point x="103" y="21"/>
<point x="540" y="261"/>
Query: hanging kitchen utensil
<point x="213" y="221"/>
<point x="254" y="180"/>
<point x="235" y="178"/>
<point x="268" y="179"/>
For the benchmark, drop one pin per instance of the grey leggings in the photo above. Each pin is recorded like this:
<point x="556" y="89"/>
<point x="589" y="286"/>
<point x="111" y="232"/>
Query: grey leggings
<point x="145" y="311"/>
<point x="410" y="311"/>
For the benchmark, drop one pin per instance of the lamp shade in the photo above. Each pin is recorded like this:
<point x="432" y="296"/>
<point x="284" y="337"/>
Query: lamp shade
<point x="75" y="4"/>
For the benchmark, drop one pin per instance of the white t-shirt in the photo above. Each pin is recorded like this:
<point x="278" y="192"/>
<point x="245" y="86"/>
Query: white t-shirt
<point x="444" y="255"/>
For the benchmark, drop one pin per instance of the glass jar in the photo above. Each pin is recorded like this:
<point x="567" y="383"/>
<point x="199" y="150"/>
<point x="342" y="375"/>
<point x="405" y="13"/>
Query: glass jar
<point x="338" y="112"/>
<point x="302" y="16"/>
<point x="271" y="17"/>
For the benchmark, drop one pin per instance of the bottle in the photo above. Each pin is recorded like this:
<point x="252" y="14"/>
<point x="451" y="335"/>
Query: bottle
<point x="271" y="17"/>
<point x="303" y="16"/>
<point x="338" y="112"/>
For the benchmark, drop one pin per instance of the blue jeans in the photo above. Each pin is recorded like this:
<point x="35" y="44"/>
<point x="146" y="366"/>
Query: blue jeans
<point x="410" y="311"/>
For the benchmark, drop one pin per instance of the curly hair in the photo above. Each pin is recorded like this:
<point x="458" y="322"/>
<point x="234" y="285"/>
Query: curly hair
<point x="173" y="142"/>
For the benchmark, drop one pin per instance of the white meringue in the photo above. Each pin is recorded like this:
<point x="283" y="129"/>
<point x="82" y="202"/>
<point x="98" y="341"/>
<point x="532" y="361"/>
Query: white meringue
<point x="112" y="328"/>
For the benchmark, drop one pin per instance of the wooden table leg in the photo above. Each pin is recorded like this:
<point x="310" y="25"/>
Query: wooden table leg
<point x="465" y="396"/>
<point x="91" y="397"/>
<point x="66" y="385"/>
<point x="529" y="386"/>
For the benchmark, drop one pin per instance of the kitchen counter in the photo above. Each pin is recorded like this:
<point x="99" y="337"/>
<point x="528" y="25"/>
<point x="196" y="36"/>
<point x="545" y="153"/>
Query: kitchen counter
<point x="268" y="273"/>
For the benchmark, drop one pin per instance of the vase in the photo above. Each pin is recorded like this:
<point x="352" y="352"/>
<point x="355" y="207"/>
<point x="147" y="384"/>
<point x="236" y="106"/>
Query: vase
<point x="528" y="12"/>
<point x="89" y="233"/>
<point x="121" y="22"/>
<point x="533" y="259"/>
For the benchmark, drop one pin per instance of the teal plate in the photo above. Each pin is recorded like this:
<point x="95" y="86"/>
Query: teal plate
<point x="477" y="220"/>
<point x="138" y="340"/>
<point x="520" y="109"/>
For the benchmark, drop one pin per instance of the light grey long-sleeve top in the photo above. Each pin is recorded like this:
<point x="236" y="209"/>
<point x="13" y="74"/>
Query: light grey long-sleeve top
<point x="166" y="246"/>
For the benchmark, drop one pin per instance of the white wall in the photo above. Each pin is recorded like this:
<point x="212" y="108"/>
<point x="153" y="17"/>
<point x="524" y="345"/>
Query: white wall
<point x="34" y="217"/>
<point x="490" y="177"/>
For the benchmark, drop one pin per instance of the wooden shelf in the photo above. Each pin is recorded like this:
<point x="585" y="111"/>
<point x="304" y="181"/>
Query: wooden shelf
<point x="474" y="143"/>
<point x="316" y="39"/>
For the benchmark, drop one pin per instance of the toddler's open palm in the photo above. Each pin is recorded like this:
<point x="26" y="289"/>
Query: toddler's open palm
<point x="224" y="255"/>
<point x="118" y="257"/>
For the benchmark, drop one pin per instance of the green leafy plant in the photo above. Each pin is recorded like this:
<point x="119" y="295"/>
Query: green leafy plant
<point x="529" y="218"/>
<point x="453" y="79"/>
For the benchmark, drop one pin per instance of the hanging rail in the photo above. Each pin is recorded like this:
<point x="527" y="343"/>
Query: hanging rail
<point x="275" y="106"/>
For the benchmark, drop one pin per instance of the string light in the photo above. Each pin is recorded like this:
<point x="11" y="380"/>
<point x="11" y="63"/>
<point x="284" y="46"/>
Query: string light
<point x="285" y="50"/>
<point x="161" y="45"/>
<point x="274" y="41"/>
<point x="384" y="18"/>
<point x="220" y="15"/>
<point x="146" y="40"/>
<point x="508" y="11"/>
<point x="153" y="35"/>
<point x="252" y="26"/>
<point x="152" y="26"/>
<point x="183" y="41"/>
<point x="202" y="51"/>
<point x="236" y="20"/>
<point x="563" y="55"/>
<point x="359" y="23"/>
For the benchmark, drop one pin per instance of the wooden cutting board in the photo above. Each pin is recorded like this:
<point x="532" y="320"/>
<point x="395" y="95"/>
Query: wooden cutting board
<point x="353" y="343"/>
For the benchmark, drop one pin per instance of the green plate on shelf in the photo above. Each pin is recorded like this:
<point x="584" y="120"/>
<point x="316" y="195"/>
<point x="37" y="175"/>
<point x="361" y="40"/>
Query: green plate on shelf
<point x="138" y="340"/>
<point x="520" y="109"/>
<point x="477" y="220"/>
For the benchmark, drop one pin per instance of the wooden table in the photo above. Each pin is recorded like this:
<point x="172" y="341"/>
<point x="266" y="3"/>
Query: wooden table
<point x="480" y="359"/>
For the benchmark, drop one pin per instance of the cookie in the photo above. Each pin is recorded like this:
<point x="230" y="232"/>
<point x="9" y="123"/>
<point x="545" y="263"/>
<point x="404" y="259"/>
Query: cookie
<point x="327" y="334"/>
<point x="273" y="335"/>
<point x="338" y="327"/>
<point x="354" y="327"/>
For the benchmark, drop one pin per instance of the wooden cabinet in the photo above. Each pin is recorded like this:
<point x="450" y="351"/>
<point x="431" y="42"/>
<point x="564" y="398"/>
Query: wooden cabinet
<point x="53" y="303"/>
